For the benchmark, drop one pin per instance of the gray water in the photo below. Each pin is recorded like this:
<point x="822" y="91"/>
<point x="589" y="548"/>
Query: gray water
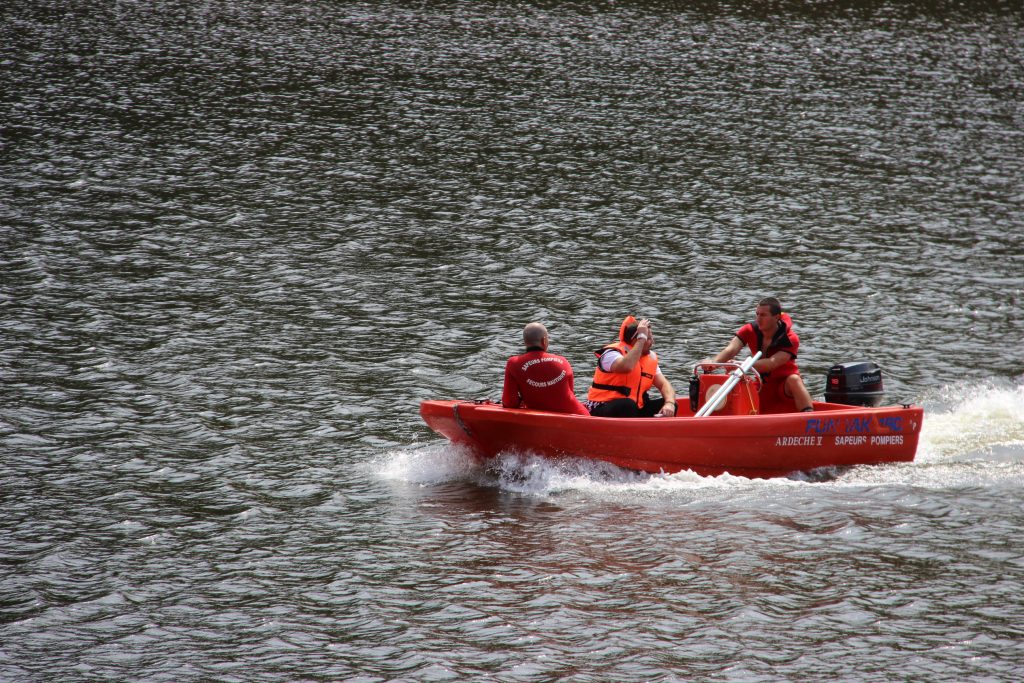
<point x="239" y="243"/>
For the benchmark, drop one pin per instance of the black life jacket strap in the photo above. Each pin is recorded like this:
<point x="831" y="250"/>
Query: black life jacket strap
<point x="612" y="387"/>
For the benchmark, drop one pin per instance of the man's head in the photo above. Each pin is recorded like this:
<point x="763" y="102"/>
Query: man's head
<point x="767" y="315"/>
<point x="535" y="335"/>
<point x="630" y="327"/>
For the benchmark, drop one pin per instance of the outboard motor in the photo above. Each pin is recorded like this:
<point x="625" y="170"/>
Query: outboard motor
<point x="855" y="384"/>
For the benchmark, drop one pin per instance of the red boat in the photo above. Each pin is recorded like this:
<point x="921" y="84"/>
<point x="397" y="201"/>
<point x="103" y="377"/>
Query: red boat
<point x="734" y="438"/>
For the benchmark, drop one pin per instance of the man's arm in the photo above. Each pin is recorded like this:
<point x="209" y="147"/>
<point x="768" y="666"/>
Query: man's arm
<point x="662" y="384"/>
<point x="766" y="365"/>
<point x="628" y="362"/>
<point x="734" y="346"/>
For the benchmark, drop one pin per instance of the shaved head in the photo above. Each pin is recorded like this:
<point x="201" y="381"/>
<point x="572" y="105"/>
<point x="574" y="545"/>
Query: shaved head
<point x="534" y="334"/>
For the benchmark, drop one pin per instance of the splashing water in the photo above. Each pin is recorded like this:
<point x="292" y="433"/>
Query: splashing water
<point x="985" y="422"/>
<point x="533" y="475"/>
<point x="435" y="464"/>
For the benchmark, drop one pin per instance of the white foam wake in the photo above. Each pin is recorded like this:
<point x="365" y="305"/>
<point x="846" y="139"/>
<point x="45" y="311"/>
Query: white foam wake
<point x="437" y="463"/>
<point x="983" y="422"/>
<point x="534" y="475"/>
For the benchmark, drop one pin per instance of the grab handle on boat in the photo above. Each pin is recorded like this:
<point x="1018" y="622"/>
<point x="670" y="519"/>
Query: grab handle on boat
<point x="734" y="378"/>
<point x="727" y="367"/>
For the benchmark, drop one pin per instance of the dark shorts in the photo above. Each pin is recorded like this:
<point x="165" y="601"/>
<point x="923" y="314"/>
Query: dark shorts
<point x="625" y="407"/>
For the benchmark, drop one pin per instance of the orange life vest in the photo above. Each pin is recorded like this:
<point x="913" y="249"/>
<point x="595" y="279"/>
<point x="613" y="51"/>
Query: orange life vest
<point x="608" y="386"/>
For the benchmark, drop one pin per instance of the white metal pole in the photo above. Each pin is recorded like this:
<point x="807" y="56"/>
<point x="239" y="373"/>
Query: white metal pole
<point x="734" y="378"/>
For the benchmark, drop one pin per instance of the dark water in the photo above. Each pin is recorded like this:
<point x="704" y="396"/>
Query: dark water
<point x="239" y="242"/>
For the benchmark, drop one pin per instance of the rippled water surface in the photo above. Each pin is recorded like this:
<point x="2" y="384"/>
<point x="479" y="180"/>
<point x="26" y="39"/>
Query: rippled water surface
<point x="239" y="242"/>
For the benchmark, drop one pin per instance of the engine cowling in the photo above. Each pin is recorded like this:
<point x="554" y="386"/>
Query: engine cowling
<point x="858" y="383"/>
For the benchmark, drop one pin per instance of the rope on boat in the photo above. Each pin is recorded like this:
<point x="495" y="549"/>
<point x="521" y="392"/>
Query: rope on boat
<point x="458" y="418"/>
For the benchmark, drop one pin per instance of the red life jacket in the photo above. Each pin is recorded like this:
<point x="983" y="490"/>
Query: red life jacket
<point x="784" y="339"/>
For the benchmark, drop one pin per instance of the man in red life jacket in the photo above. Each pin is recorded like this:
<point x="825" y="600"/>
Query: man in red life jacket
<point x="540" y="380"/>
<point x="626" y="370"/>
<point x="772" y="334"/>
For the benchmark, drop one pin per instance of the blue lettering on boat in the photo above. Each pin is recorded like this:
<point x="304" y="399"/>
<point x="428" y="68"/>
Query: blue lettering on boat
<point x="858" y="425"/>
<point x="894" y="424"/>
<point x="820" y="426"/>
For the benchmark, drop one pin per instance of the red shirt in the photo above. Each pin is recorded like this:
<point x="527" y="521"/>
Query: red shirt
<point x="784" y="339"/>
<point x="540" y="381"/>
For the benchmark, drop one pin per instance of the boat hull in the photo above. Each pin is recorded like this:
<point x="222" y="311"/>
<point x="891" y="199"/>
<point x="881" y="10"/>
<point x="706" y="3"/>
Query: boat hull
<point x="744" y="445"/>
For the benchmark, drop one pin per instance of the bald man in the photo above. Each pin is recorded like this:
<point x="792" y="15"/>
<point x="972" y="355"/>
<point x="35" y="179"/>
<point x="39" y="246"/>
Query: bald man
<point x="540" y="380"/>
